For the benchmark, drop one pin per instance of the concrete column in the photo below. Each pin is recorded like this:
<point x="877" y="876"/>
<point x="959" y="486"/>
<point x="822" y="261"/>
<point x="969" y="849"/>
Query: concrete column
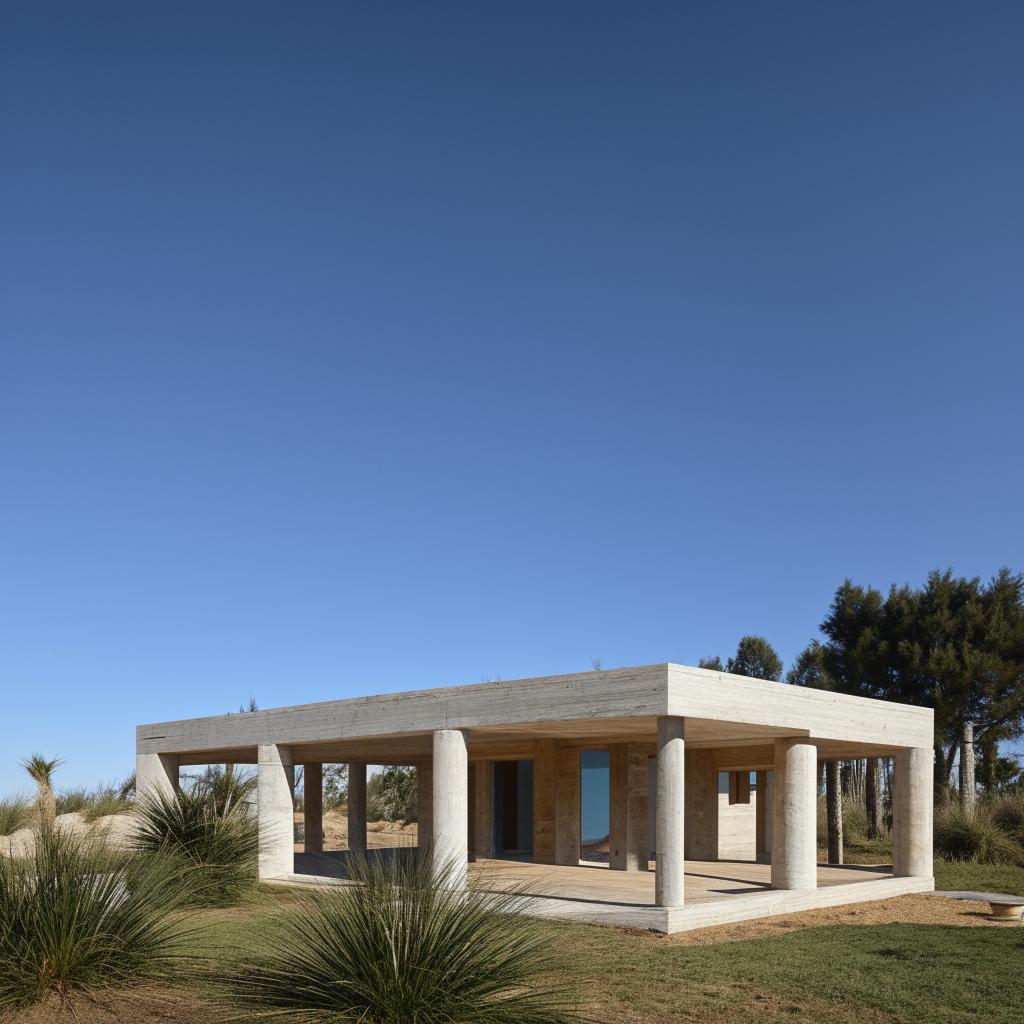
<point x="671" y="871"/>
<point x="544" y="802"/>
<point x="424" y="804"/>
<point x="155" y="774"/>
<point x="912" y="812"/>
<point x="274" y="781"/>
<point x="482" y="825"/>
<point x="701" y="838"/>
<point x="357" y="809"/>
<point x="795" y="828"/>
<point x="567" y="806"/>
<point x="451" y="804"/>
<point x="628" y="795"/>
<point x="313" y="807"/>
<point x="762" y="848"/>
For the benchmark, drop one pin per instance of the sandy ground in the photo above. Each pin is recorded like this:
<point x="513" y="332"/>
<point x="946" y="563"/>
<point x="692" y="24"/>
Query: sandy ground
<point x="116" y="828"/>
<point x="379" y="834"/>
<point x="917" y="909"/>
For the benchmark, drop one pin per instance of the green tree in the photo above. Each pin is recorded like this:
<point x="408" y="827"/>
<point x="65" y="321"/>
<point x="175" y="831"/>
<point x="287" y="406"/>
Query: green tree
<point x="755" y="657"/>
<point x="713" y="663"/>
<point x="391" y="794"/>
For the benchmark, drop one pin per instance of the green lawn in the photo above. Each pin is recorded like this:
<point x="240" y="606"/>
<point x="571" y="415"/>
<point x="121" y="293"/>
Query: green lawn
<point x="881" y="973"/>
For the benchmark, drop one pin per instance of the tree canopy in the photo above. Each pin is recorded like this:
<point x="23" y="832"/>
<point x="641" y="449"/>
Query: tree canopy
<point x="955" y="645"/>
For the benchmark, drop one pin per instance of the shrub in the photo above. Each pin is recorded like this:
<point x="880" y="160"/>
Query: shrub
<point x="15" y="813"/>
<point x="221" y="844"/>
<point x="1008" y="813"/>
<point x="77" y="917"/>
<point x="402" y="945"/>
<point x="974" y="835"/>
<point x="224" y="786"/>
<point x="391" y="795"/>
<point x="68" y="801"/>
<point x="106" y="800"/>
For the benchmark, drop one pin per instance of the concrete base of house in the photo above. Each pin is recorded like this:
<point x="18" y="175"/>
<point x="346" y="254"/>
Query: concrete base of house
<point x="717" y="892"/>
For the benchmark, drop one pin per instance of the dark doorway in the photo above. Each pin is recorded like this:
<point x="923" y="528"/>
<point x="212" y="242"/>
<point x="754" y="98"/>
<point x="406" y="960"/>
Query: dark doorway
<point x="513" y="807"/>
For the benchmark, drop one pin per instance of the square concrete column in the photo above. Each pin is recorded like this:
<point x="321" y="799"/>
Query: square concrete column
<point x="482" y="829"/>
<point x="628" y="795"/>
<point x="274" y="786"/>
<point x="701" y="839"/>
<point x="313" y="807"/>
<point x="912" y="812"/>
<point x="451" y="804"/>
<point x="567" y="806"/>
<point x="424" y="804"/>
<point x="795" y="825"/>
<point x="357" y="808"/>
<point x="544" y="802"/>
<point x="671" y="800"/>
<point x="763" y="818"/>
<point x="155" y="774"/>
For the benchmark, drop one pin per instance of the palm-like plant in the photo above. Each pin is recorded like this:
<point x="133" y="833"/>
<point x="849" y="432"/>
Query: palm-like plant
<point x="79" y="918"/>
<point x="220" y="843"/>
<point x="403" y="945"/>
<point x="41" y="771"/>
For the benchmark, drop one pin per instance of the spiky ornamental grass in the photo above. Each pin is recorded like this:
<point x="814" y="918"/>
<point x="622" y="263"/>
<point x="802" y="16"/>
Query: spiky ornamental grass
<point x="220" y="844"/>
<point x="78" y="918"/>
<point x="15" y="813"/>
<point x="402" y="945"/>
<point x="973" y="835"/>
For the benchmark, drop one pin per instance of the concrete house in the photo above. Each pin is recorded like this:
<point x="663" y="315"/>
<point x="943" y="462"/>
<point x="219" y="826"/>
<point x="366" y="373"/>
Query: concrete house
<point x="499" y="779"/>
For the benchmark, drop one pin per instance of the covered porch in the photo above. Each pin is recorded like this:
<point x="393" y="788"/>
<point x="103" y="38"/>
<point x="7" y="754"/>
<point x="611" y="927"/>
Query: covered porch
<point x="501" y="777"/>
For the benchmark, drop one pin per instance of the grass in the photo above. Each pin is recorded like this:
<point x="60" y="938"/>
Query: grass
<point x="15" y="813"/>
<point x="403" y="946"/>
<point x="897" y="974"/>
<point x="879" y="974"/>
<point x="974" y="835"/>
<point x="220" y="843"/>
<point x="77" y="917"/>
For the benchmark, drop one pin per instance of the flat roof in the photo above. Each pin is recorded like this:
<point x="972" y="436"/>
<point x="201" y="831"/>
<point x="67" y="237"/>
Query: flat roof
<point x="591" y="708"/>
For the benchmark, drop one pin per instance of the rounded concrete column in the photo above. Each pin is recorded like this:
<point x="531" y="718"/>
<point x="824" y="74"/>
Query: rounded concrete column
<point x="795" y="826"/>
<point x="912" y="812"/>
<point x="450" y="845"/>
<point x="670" y="869"/>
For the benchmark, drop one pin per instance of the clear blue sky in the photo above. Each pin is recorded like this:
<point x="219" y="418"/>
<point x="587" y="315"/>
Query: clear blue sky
<point x="350" y="348"/>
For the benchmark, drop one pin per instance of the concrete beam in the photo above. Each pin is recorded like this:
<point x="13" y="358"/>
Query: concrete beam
<point x="912" y="812"/>
<point x="275" y="779"/>
<point x="451" y="805"/>
<point x="795" y="825"/>
<point x="313" y="807"/>
<point x="670" y="875"/>
<point x="357" y="809"/>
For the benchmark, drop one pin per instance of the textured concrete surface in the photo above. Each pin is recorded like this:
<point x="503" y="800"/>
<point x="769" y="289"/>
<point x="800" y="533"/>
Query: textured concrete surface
<point x="913" y="783"/>
<point x="450" y="844"/>
<point x="274" y="784"/>
<point x="357" y="807"/>
<point x="669" y="883"/>
<point x="795" y="844"/>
